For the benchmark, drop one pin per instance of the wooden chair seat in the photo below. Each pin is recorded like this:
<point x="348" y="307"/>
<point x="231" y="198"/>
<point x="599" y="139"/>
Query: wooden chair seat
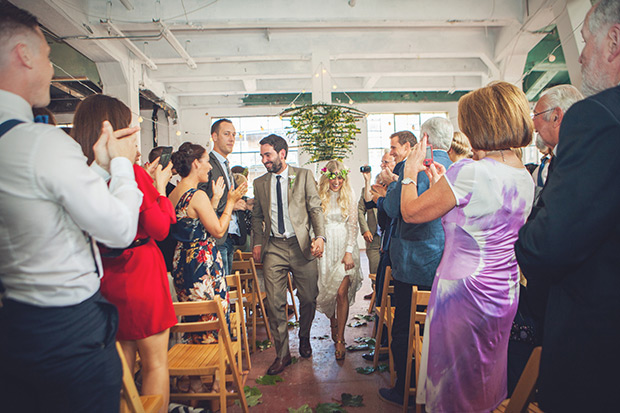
<point x="193" y="359"/>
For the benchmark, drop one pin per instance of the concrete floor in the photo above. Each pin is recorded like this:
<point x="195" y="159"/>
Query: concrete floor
<point x="320" y="379"/>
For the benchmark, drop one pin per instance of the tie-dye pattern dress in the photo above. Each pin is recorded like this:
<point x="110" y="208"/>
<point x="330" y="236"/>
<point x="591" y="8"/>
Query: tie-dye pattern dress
<point x="475" y="293"/>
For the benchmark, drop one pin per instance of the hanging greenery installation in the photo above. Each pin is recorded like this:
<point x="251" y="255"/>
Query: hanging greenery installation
<point x="324" y="131"/>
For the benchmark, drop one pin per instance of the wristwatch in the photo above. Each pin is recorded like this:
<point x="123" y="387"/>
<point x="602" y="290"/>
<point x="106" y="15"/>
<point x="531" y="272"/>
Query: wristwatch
<point x="408" y="181"/>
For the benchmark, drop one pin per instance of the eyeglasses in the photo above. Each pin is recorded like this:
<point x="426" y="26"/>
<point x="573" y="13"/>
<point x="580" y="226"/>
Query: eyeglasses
<point x="540" y="113"/>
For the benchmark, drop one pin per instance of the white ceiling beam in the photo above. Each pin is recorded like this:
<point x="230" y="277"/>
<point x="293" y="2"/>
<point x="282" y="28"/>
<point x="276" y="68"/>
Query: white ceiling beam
<point x="370" y="82"/>
<point x="540" y="83"/>
<point x="176" y="45"/>
<point x="129" y="44"/>
<point x="249" y="85"/>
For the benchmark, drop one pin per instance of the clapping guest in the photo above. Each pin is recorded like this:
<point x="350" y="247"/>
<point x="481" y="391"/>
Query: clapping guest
<point x="483" y="203"/>
<point x="135" y="278"/>
<point x="339" y="267"/>
<point x="197" y="266"/>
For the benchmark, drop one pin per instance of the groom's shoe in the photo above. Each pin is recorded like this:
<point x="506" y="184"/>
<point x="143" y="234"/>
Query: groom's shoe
<point x="305" y="350"/>
<point x="279" y="365"/>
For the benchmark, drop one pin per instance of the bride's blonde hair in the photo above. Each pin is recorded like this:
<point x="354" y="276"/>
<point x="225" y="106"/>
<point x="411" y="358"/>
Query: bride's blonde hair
<point x="332" y="169"/>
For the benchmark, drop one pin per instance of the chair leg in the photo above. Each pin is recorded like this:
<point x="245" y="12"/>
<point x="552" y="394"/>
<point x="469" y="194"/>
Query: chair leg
<point x="372" y="301"/>
<point x="290" y="289"/>
<point x="378" y="338"/>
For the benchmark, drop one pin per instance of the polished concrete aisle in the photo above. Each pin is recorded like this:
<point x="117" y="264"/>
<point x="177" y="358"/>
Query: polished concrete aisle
<point x="321" y="379"/>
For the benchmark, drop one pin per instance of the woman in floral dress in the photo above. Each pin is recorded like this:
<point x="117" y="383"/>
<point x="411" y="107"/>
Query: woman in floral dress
<point x="197" y="264"/>
<point x="483" y="203"/>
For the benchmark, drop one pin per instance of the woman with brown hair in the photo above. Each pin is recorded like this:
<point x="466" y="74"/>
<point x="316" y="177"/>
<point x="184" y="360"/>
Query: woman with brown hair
<point x="135" y="278"/>
<point x="483" y="203"/>
<point x="197" y="264"/>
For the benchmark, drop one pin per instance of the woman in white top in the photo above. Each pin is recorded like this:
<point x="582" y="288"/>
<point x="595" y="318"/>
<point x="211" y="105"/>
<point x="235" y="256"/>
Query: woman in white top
<point x="339" y="268"/>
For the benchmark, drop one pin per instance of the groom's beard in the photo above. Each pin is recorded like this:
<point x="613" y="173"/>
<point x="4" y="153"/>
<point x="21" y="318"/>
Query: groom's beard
<point x="274" y="166"/>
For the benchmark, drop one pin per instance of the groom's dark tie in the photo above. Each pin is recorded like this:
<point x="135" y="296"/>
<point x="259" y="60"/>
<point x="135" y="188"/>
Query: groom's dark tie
<point x="280" y="206"/>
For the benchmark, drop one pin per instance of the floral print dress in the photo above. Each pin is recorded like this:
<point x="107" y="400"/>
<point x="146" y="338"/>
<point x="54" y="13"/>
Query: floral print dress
<point x="197" y="267"/>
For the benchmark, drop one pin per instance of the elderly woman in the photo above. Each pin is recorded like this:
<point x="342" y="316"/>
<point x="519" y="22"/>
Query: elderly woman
<point x="483" y="203"/>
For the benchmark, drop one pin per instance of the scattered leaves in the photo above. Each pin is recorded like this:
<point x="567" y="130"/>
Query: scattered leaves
<point x="365" y="370"/>
<point x="365" y="317"/>
<point x="381" y="368"/>
<point x="303" y="409"/>
<point x="357" y="324"/>
<point x="293" y="324"/>
<point x="358" y="347"/>
<point x="323" y="337"/>
<point x="294" y="360"/>
<point x="367" y="340"/>
<point x="330" y="408"/>
<point x="252" y="395"/>
<point x="263" y="345"/>
<point x="269" y="380"/>
<point x="351" y="400"/>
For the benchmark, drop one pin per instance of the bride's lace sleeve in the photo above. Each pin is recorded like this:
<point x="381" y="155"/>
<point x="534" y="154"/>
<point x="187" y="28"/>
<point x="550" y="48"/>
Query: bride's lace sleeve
<point x="352" y="224"/>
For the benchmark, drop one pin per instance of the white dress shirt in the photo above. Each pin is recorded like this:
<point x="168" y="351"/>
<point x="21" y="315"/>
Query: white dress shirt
<point x="289" y="232"/>
<point x="233" y="226"/>
<point x="51" y="203"/>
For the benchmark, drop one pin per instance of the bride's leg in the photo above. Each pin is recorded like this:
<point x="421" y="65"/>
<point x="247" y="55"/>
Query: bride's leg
<point x="342" y="313"/>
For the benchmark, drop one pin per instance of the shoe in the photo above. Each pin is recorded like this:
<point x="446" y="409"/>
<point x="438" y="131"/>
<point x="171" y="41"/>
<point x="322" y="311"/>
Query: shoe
<point x="368" y="296"/>
<point x="371" y="356"/>
<point x="305" y="349"/>
<point x="340" y="354"/>
<point x="279" y="365"/>
<point x="390" y="395"/>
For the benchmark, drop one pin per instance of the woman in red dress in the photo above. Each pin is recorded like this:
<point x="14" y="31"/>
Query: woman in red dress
<point x="135" y="278"/>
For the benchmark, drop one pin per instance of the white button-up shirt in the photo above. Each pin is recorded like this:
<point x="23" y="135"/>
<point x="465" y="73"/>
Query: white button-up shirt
<point x="288" y="227"/>
<point x="51" y="203"/>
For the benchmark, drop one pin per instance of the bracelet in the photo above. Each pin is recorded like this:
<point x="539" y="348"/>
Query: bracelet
<point x="408" y="181"/>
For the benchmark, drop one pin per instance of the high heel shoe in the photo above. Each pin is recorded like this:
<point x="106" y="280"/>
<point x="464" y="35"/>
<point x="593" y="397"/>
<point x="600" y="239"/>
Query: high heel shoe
<point x="340" y="354"/>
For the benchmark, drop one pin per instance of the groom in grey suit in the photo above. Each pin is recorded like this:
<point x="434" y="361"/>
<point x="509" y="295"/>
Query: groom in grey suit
<point x="286" y="205"/>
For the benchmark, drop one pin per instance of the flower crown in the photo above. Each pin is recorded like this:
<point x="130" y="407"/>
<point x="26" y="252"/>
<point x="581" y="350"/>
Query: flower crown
<point x="333" y="175"/>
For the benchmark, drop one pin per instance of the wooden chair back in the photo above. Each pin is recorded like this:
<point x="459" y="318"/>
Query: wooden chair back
<point x="523" y="395"/>
<point x="131" y="401"/>
<point x="206" y="359"/>
<point x="414" y="351"/>
<point x="386" y="313"/>
<point x="237" y="319"/>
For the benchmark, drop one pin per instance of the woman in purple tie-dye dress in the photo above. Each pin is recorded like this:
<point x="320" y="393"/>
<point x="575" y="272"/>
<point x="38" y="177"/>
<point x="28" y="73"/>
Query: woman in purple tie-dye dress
<point x="474" y="297"/>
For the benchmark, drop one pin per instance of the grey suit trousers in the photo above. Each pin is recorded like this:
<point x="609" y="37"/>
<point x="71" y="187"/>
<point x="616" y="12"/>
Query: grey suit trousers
<point x="282" y="256"/>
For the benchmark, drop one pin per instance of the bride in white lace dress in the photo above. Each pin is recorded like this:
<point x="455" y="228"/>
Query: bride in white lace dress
<point x="339" y="268"/>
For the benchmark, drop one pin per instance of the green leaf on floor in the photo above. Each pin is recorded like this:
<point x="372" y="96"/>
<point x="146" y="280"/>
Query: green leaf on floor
<point x="330" y="408"/>
<point x="293" y="324"/>
<point x="368" y="340"/>
<point x="357" y="324"/>
<point x="365" y="370"/>
<point x="294" y="360"/>
<point x="366" y="317"/>
<point x="263" y="345"/>
<point x="382" y="368"/>
<point x="269" y="380"/>
<point x="323" y="337"/>
<point x="303" y="409"/>
<point x="351" y="400"/>
<point x="358" y="347"/>
<point x="252" y="396"/>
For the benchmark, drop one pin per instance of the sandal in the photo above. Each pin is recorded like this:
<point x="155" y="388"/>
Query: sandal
<point x="340" y="354"/>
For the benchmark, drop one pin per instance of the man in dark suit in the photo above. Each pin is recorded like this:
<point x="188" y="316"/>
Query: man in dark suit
<point x="286" y="205"/>
<point x="223" y="136"/>
<point x="415" y="251"/>
<point x="573" y="241"/>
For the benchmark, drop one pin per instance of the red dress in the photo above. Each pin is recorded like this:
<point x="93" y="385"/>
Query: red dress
<point x="136" y="281"/>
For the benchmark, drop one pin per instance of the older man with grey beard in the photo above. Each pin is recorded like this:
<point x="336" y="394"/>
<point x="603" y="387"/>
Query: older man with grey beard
<point x="573" y="242"/>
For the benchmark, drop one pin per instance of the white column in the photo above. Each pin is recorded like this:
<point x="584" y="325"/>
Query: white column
<point x="569" y="25"/>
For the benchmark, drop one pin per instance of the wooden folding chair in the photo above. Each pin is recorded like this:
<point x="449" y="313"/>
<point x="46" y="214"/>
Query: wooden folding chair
<point x="416" y="321"/>
<point x="386" y="315"/>
<point x="245" y="256"/>
<point x="373" y="298"/>
<point x="522" y="400"/>
<point x="131" y="401"/>
<point x="206" y="359"/>
<point x="253" y="297"/>
<point x="237" y="320"/>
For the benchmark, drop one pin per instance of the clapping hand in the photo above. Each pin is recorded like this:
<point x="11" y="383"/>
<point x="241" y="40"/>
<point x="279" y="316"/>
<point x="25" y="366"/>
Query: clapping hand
<point x="435" y="172"/>
<point x="218" y="187"/>
<point x="115" y="143"/>
<point x="237" y="193"/>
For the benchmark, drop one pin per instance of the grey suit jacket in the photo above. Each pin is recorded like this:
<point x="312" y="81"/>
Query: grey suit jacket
<point x="367" y="217"/>
<point x="304" y="208"/>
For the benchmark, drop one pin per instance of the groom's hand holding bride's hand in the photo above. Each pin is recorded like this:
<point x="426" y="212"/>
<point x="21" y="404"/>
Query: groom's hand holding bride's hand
<point x="316" y="248"/>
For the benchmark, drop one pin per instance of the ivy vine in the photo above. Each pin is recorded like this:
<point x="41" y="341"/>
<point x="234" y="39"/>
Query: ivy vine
<point x="324" y="131"/>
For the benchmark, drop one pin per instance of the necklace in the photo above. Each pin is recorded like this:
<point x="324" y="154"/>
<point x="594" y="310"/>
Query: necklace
<point x="500" y="151"/>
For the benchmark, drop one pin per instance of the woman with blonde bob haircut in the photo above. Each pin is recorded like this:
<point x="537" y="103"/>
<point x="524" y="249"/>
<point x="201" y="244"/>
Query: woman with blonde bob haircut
<point x="483" y="202"/>
<point x="339" y="268"/>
